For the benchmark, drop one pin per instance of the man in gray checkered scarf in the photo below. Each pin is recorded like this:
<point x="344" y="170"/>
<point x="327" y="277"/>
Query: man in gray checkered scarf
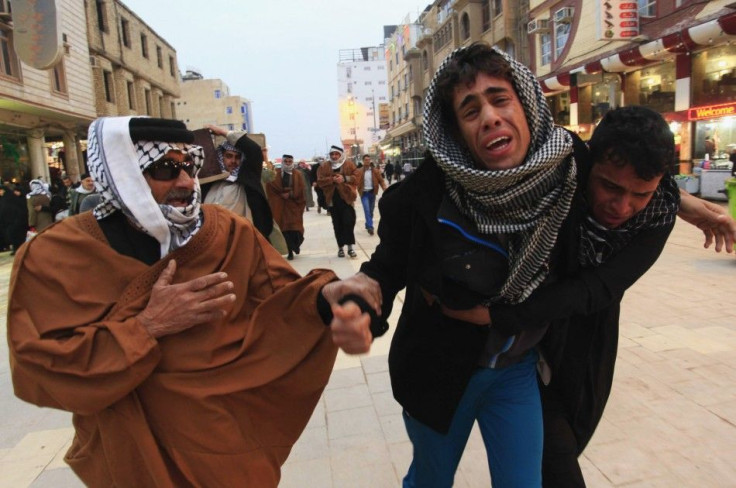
<point x="518" y="185"/>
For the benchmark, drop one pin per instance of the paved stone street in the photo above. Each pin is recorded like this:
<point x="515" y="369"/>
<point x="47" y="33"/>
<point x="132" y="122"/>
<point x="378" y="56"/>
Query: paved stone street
<point x="670" y="422"/>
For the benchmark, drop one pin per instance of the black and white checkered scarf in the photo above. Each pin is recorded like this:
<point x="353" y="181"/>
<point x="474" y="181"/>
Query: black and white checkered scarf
<point x="529" y="202"/>
<point x="597" y="243"/>
<point x="220" y="152"/>
<point x="38" y="187"/>
<point x="116" y="164"/>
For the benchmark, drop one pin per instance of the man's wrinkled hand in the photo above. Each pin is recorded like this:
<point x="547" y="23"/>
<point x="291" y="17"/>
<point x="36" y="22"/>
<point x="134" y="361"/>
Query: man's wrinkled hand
<point x="358" y="284"/>
<point x="351" y="328"/>
<point x="175" y="308"/>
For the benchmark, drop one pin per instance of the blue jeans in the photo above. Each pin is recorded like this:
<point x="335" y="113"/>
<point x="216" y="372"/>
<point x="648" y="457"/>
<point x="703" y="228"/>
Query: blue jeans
<point x="506" y="404"/>
<point x="368" y="199"/>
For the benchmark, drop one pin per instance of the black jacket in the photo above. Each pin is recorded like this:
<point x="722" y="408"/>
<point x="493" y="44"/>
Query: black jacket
<point x="432" y="356"/>
<point x="583" y="307"/>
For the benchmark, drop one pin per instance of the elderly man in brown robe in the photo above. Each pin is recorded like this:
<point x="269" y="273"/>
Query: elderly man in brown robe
<point x="188" y="350"/>
<point x="286" y="195"/>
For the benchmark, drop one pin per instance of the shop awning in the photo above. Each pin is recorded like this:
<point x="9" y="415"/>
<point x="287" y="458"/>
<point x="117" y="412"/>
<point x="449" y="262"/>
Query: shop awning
<point x="711" y="33"/>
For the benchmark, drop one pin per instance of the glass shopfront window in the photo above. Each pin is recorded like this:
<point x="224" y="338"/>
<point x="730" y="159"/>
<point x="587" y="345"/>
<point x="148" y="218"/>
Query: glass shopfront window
<point x="604" y="95"/>
<point x="716" y="137"/>
<point x="657" y="87"/>
<point x="714" y="76"/>
<point x="559" y="105"/>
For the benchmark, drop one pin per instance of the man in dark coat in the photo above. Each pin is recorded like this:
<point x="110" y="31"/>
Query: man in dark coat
<point x="239" y="189"/>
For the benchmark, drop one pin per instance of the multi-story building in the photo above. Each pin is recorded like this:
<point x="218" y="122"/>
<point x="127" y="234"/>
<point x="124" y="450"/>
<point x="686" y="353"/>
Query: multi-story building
<point x="415" y="50"/>
<point x="677" y="57"/>
<point x="406" y="93"/>
<point x="208" y="101"/>
<point x="362" y="95"/>
<point x="44" y="110"/>
<point x="134" y="69"/>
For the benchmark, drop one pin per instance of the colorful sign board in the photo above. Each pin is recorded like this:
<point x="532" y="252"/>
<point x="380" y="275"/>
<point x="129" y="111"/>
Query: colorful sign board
<point x="711" y="111"/>
<point x="617" y="20"/>
<point x="384" y="111"/>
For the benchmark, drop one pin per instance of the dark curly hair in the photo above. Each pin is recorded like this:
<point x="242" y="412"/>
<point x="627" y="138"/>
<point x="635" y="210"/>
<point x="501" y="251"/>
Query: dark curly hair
<point x="634" y="135"/>
<point x="478" y="58"/>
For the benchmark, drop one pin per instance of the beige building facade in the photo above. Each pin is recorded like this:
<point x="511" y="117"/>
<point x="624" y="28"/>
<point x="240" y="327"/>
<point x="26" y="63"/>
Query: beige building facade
<point x="42" y="111"/>
<point x="135" y="71"/>
<point x="208" y="101"/>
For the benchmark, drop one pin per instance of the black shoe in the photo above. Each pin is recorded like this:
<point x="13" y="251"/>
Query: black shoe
<point x="370" y="230"/>
<point x="340" y="253"/>
<point x="352" y="253"/>
<point x="319" y="209"/>
<point x="297" y="250"/>
<point x="290" y="256"/>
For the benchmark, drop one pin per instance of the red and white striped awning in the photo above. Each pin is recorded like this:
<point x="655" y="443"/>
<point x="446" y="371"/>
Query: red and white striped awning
<point x="711" y="33"/>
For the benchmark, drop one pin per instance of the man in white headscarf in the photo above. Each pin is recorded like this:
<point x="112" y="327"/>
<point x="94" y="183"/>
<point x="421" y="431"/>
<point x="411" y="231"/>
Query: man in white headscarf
<point x="38" y="201"/>
<point x="337" y="180"/>
<point x="188" y="350"/>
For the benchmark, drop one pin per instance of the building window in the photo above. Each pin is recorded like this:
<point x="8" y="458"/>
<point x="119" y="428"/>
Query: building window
<point x="228" y="110"/>
<point x="465" y="26"/>
<point x="497" y="7"/>
<point x="231" y="126"/>
<point x="131" y="95"/>
<point x="109" y="88"/>
<point x="368" y="83"/>
<point x="101" y="16"/>
<point x="648" y="8"/>
<point x="366" y="68"/>
<point x="58" y="79"/>
<point x="147" y="99"/>
<point x="173" y="111"/>
<point x="382" y="82"/>
<point x="245" y="126"/>
<point x="562" y="31"/>
<point x="161" y="106"/>
<point x="172" y="66"/>
<point x="406" y="110"/>
<point x="486" y="10"/>
<point x="545" y="49"/>
<point x="159" y="57"/>
<point x="125" y="30"/>
<point x="218" y="94"/>
<point x="425" y="60"/>
<point x="144" y="45"/>
<point x="8" y="59"/>
<point x="242" y="109"/>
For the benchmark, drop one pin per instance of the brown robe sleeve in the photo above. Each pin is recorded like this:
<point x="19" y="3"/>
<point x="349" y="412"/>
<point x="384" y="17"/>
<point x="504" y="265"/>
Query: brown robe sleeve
<point x="65" y="352"/>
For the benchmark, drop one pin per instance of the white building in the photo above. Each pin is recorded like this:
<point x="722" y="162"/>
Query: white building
<point x="362" y="93"/>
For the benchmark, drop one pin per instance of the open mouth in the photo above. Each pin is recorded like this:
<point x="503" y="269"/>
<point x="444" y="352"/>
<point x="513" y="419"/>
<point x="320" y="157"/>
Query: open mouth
<point x="498" y="144"/>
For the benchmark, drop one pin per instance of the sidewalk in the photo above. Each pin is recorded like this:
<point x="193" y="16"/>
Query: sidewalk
<point x="670" y="422"/>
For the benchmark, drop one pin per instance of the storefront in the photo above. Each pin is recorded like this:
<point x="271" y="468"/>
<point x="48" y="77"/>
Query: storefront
<point x="13" y="157"/>
<point x="714" y="129"/>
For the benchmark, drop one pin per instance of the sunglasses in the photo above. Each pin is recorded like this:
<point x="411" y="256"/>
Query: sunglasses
<point x="168" y="169"/>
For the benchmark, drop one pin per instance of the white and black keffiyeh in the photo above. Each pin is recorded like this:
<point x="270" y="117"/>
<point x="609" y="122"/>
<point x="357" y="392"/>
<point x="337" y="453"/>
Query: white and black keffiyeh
<point x="117" y="164"/>
<point x="597" y="243"/>
<point x="220" y="151"/>
<point x="529" y="202"/>
<point x="38" y="187"/>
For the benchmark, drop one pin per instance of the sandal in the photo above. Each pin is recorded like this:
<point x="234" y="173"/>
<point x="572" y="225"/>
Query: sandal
<point x="340" y="253"/>
<point x="352" y="253"/>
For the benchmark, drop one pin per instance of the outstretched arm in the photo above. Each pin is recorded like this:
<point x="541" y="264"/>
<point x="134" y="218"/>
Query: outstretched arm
<point x="711" y="218"/>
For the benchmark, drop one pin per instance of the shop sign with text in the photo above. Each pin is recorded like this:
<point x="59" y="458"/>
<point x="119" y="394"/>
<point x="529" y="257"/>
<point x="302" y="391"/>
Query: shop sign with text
<point x="617" y="19"/>
<point x="711" y="111"/>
